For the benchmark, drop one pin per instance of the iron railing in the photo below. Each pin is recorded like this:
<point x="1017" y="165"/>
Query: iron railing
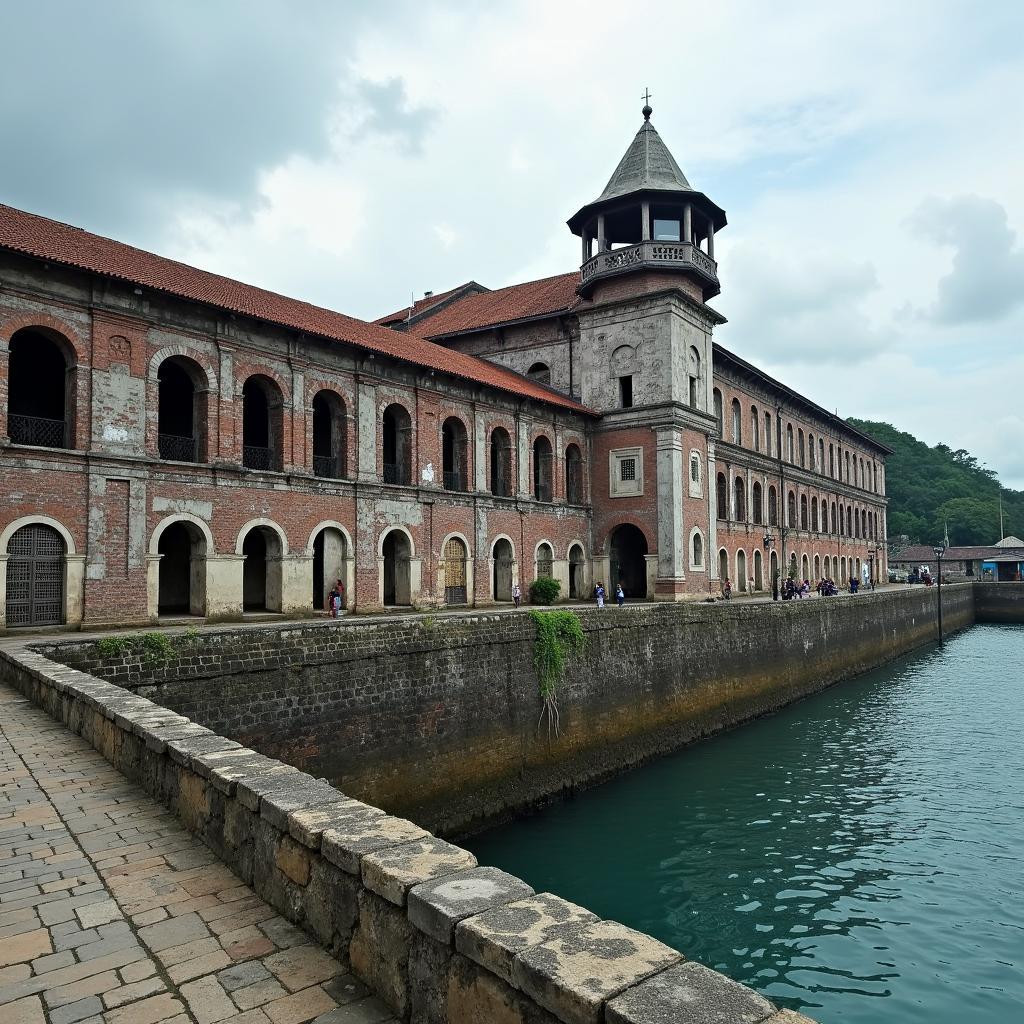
<point x="454" y="481"/>
<point x="326" y="465"/>
<point x="177" y="448"/>
<point x="37" y="430"/>
<point x="254" y="457"/>
<point x="395" y="473"/>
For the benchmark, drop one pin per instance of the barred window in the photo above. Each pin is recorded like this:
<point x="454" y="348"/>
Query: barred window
<point x="627" y="469"/>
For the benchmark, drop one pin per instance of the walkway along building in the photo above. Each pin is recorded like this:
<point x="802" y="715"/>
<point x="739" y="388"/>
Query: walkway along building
<point x="173" y="442"/>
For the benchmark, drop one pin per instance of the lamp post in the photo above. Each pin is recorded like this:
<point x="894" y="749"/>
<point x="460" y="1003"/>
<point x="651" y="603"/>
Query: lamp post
<point x="939" y="552"/>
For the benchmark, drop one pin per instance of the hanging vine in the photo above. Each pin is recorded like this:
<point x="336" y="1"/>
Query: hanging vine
<point x="558" y="635"/>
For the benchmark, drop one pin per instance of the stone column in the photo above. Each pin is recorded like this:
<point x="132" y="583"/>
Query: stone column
<point x="688" y="224"/>
<point x="711" y="239"/>
<point x="224" y="584"/>
<point x="645" y="221"/>
<point x="671" y="543"/>
<point x="296" y="582"/>
<point x="711" y="555"/>
<point x="523" y="457"/>
<point x="366" y="415"/>
<point x="601" y="244"/>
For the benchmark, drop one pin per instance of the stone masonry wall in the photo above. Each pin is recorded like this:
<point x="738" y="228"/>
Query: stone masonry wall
<point x="437" y="718"/>
<point x="440" y="939"/>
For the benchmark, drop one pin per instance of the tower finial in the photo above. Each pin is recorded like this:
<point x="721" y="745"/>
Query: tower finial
<point x="647" y="105"/>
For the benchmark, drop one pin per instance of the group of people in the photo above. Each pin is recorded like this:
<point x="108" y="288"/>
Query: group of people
<point x="791" y="588"/>
<point x="599" y="595"/>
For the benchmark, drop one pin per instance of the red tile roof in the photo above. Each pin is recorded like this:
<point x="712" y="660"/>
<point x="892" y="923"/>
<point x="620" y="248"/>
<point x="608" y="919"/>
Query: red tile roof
<point x="924" y="553"/>
<point x="546" y="297"/>
<point x="420" y="305"/>
<point x="56" y="242"/>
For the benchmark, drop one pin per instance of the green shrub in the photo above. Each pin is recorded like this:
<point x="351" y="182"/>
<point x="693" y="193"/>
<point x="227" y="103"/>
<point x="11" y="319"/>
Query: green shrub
<point x="558" y="635"/>
<point x="545" y="590"/>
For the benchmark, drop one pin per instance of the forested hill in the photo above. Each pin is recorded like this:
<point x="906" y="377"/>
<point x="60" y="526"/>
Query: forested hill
<point x="928" y="487"/>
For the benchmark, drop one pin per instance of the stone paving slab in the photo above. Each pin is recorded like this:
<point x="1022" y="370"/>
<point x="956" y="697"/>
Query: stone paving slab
<point x="111" y="913"/>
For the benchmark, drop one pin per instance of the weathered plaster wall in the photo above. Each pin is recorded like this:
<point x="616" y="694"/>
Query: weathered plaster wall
<point x="437" y="719"/>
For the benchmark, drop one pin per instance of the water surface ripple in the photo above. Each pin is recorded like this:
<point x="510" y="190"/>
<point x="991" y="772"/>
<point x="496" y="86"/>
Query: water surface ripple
<point x="859" y="855"/>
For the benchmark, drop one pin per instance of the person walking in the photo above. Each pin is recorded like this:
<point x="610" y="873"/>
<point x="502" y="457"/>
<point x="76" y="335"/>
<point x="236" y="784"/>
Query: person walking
<point x="340" y="587"/>
<point x="599" y="594"/>
<point x="333" y="602"/>
<point x="620" y="596"/>
<point x="517" y="595"/>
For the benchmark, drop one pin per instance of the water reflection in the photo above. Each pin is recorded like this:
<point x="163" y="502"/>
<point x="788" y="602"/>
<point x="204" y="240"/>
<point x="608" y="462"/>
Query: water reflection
<point x="864" y="845"/>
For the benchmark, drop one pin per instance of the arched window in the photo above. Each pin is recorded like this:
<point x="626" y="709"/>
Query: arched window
<point x="821" y="456"/>
<point x="789" y="442"/>
<point x="757" y="505"/>
<point x="755" y="429"/>
<point x="718" y="413"/>
<point x="695" y="379"/>
<point x="181" y="410"/>
<point x="329" y="432"/>
<point x="695" y="472"/>
<point x="542" y="469"/>
<point x="767" y="433"/>
<point x="262" y="424"/>
<point x="737" y="422"/>
<point x="773" y="507"/>
<point x="836" y="529"/>
<point x="810" y="452"/>
<point x="697" y="551"/>
<point x="41" y="389"/>
<point x="800" y="447"/>
<point x="851" y="526"/>
<point x="740" y="499"/>
<point x="791" y="510"/>
<point x="454" y="455"/>
<point x="814" y="513"/>
<point x="831" y="460"/>
<point x="722" y="496"/>
<point x="803" y="511"/>
<point x="501" y="462"/>
<point x="397" y="453"/>
<point x="545" y="560"/>
<point x="540" y="372"/>
<point x="573" y="475"/>
<point x="846" y="477"/>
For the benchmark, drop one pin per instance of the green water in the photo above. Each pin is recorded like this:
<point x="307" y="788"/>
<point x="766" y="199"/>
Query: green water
<point x="859" y="856"/>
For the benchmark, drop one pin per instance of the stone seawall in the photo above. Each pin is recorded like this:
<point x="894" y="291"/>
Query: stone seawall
<point x="998" y="602"/>
<point x="438" y="938"/>
<point x="437" y="718"/>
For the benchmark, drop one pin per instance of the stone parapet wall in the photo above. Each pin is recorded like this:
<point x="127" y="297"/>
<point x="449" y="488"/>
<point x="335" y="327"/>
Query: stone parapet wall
<point x="999" y="602"/>
<point x="437" y="718"/>
<point x="439" y="938"/>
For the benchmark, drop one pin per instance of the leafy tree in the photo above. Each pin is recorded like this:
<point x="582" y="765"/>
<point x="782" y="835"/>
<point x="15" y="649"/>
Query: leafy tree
<point x="930" y="487"/>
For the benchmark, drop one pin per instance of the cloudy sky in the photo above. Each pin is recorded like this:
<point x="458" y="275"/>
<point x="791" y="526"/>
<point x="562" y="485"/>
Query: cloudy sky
<point x="870" y="157"/>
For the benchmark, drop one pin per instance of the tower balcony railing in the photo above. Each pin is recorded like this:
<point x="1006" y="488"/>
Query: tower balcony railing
<point x="653" y="255"/>
<point x="327" y="466"/>
<point x="177" y="448"/>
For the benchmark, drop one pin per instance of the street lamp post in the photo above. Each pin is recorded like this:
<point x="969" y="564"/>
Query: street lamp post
<point x="939" y="552"/>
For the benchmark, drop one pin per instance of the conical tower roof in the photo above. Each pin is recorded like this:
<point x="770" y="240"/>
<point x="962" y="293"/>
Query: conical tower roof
<point x="647" y="164"/>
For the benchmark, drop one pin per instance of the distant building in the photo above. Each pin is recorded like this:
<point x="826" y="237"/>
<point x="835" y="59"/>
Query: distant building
<point x="173" y="442"/>
<point x="1002" y="561"/>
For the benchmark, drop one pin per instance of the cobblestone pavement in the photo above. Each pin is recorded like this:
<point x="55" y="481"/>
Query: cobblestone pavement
<point x="111" y="913"/>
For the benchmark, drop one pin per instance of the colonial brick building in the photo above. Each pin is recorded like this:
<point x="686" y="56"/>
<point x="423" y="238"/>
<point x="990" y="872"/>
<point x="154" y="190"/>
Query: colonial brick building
<point x="176" y="443"/>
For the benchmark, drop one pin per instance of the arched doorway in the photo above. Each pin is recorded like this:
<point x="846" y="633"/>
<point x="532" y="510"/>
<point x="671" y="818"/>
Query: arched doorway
<point x="805" y="569"/>
<point x="545" y="560"/>
<point x="455" y="555"/>
<point x="792" y="566"/>
<point x="261" y="570"/>
<point x="330" y="555"/>
<point x="262" y="424"/>
<point x="817" y="568"/>
<point x="773" y="569"/>
<point x="41" y="386"/>
<point x="723" y="567"/>
<point x="397" y="552"/>
<point x="35" y="576"/>
<point x="577" y="580"/>
<point x="503" y="557"/>
<point x="741" y="570"/>
<point x="758" y="571"/>
<point x="182" y="570"/>
<point x="628" y="561"/>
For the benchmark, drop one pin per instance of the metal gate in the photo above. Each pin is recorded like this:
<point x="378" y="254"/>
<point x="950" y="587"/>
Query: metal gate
<point x="454" y="572"/>
<point x="35" y="577"/>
